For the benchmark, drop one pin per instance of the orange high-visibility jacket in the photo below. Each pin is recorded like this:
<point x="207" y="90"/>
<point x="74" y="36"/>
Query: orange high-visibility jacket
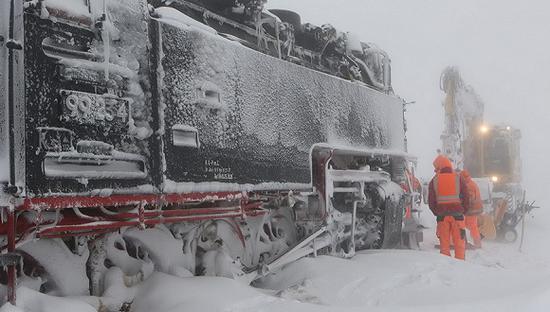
<point x="447" y="188"/>
<point x="476" y="203"/>
<point x="448" y="193"/>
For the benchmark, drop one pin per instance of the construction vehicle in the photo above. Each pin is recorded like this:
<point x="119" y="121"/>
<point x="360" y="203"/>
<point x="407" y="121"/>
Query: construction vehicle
<point x="491" y="153"/>
<point x="190" y="138"/>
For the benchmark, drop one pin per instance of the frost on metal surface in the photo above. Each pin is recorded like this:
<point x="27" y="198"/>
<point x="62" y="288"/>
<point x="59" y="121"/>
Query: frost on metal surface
<point x="170" y="186"/>
<point x="263" y="114"/>
<point x="4" y="162"/>
<point x="69" y="7"/>
<point x="192" y="106"/>
<point x="88" y="165"/>
<point x="176" y="18"/>
<point x="87" y="92"/>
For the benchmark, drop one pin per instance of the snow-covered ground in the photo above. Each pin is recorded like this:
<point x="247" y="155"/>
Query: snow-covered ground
<point x="496" y="278"/>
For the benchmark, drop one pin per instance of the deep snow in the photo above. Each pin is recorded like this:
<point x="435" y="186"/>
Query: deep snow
<point x="496" y="278"/>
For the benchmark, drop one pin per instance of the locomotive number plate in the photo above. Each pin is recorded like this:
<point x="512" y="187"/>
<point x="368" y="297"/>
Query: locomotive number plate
<point x="90" y="108"/>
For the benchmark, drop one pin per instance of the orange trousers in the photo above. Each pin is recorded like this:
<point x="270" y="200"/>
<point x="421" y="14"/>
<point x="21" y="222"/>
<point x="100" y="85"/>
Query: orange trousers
<point x="471" y="225"/>
<point x="449" y="228"/>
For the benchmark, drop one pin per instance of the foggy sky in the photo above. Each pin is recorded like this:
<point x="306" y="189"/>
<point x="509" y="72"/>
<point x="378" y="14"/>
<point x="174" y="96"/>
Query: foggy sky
<point x="501" y="47"/>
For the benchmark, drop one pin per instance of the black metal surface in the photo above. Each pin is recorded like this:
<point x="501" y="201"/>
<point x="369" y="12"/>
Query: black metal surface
<point x="256" y="117"/>
<point x="266" y="113"/>
<point x="48" y="84"/>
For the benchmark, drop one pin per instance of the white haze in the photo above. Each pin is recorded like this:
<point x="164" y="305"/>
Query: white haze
<point x="501" y="48"/>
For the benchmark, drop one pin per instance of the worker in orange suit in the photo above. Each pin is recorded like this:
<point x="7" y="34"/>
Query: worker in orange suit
<point x="437" y="163"/>
<point x="448" y="200"/>
<point x="475" y="208"/>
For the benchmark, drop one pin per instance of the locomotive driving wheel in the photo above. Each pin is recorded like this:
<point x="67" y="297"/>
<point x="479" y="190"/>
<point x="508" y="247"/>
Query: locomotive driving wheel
<point x="278" y="234"/>
<point x="220" y="249"/>
<point x="45" y="265"/>
<point x="112" y="255"/>
<point x="30" y="271"/>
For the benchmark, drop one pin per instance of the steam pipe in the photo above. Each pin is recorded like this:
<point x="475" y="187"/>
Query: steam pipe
<point x="11" y="45"/>
<point x="12" y="268"/>
<point x="11" y="136"/>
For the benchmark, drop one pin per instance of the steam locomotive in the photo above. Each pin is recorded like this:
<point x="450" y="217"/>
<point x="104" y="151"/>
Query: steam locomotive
<point x="189" y="137"/>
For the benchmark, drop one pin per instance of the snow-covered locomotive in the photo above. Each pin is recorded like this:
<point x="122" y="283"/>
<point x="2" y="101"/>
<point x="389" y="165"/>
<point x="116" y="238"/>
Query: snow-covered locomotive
<point x="139" y="138"/>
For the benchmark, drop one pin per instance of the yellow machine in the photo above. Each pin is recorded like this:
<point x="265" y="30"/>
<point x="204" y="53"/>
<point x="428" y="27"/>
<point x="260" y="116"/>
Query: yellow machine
<point x="490" y="153"/>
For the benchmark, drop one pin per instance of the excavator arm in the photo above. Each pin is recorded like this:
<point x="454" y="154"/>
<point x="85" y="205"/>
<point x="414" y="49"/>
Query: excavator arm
<point x="463" y="115"/>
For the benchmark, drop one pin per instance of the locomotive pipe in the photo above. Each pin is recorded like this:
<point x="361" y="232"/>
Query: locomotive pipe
<point x="353" y="228"/>
<point x="107" y="211"/>
<point x="11" y="109"/>
<point x="12" y="268"/>
<point x="81" y="215"/>
<point x="102" y="225"/>
<point x="12" y="45"/>
<point x="62" y="202"/>
<point x="151" y="219"/>
<point x="131" y="219"/>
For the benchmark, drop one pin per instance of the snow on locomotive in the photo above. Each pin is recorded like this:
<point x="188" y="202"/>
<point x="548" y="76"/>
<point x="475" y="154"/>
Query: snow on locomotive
<point x="140" y="139"/>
